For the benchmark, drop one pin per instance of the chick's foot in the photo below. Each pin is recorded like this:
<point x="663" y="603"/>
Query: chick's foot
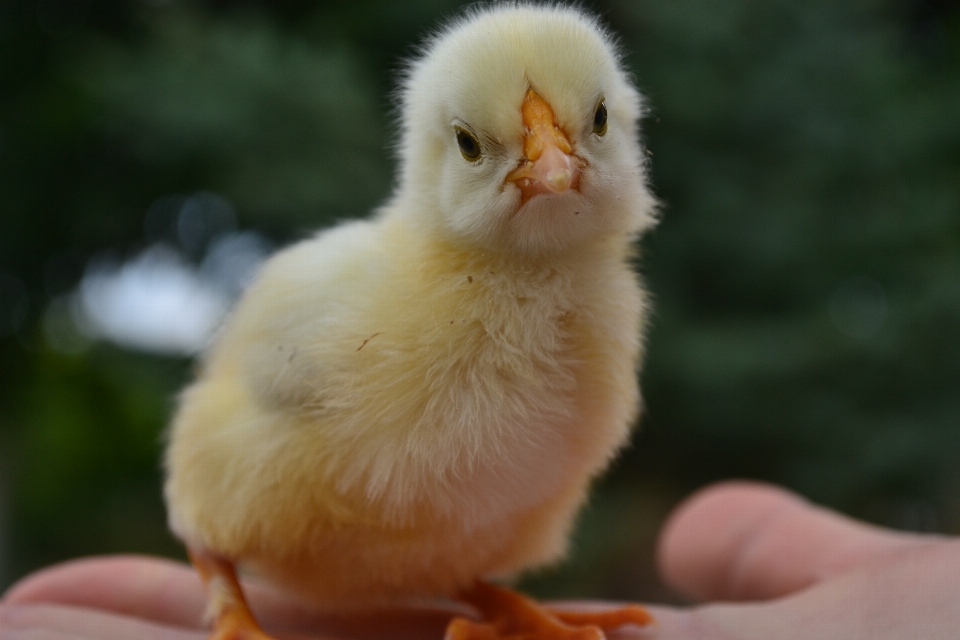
<point x="607" y="619"/>
<point x="230" y="629"/>
<point x="227" y="606"/>
<point x="512" y="616"/>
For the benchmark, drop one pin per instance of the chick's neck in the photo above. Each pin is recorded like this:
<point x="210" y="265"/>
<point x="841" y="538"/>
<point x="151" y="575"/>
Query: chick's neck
<point x="436" y="252"/>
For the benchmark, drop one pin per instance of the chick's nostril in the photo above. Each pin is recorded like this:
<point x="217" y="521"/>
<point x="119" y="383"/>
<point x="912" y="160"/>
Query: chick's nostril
<point x="556" y="170"/>
<point x="559" y="179"/>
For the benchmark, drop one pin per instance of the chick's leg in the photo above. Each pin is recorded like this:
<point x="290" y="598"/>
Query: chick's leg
<point x="512" y="616"/>
<point x="227" y="607"/>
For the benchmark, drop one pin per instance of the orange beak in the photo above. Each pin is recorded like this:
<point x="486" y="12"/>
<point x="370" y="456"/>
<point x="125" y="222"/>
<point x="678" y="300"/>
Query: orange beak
<point x="548" y="164"/>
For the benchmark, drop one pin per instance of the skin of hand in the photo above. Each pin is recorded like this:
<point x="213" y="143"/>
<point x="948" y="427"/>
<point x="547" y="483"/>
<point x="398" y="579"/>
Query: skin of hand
<point x="774" y="565"/>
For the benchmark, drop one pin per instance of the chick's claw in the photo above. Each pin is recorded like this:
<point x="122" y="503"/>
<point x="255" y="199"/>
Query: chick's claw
<point x="463" y="629"/>
<point x="237" y="630"/>
<point x="513" y="616"/>
<point x="607" y="619"/>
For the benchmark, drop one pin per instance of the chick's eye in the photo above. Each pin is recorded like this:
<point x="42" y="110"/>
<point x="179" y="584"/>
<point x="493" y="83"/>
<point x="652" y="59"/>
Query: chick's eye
<point x="600" y="119"/>
<point x="469" y="146"/>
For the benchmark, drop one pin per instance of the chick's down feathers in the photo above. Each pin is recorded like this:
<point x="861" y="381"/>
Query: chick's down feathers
<point x="401" y="405"/>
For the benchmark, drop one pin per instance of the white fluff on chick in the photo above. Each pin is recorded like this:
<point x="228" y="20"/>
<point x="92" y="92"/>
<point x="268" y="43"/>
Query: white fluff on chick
<point x="402" y="405"/>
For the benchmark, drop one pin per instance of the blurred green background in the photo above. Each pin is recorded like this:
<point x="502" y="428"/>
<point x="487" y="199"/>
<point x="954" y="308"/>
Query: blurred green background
<point x="806" y="272"/>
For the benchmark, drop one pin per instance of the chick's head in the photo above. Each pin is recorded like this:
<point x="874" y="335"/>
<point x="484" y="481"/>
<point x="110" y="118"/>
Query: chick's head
<point x="520" y="133"/>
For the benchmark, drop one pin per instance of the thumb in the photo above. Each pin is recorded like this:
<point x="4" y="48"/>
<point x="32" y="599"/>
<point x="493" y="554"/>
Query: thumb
<point x="743" y="541"/>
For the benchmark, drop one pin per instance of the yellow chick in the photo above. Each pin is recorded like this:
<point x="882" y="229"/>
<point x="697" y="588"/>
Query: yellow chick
<point x="404" y="406"/>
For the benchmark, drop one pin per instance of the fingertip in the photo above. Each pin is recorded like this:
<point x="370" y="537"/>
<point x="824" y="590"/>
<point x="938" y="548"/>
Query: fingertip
<point x="47" y="584"/>
<point x="154" y="588"/>
<point x="66" y="582"/>
<point x="700" y="539"/>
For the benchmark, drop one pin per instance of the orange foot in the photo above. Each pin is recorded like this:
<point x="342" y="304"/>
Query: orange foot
<point x="232" y="618"/>
<point x="513" y="616"/>
<point x="238" y="633"/>
<point x="229" y="627"/>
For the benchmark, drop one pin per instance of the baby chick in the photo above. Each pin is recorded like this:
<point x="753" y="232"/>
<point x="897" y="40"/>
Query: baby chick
<point x="402" y="407"/>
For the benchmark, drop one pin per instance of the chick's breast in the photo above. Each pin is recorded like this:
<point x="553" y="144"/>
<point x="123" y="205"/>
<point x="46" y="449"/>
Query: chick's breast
<point x="402" y="427"/>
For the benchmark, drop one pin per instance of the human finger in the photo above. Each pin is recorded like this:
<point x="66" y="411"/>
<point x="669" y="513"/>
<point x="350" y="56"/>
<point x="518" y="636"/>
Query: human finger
<point x="151" y="588"/>
<point x="170" y="593"/>
<point x="744" y="541"/>
<point x="58" y="622"/>
<point x="62" y="622"/>
<point x="909" y="593"/>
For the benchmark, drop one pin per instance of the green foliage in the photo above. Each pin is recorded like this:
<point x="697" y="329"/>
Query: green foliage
<point x="276" y="122"/>
<point x="806" y="268"/>
<point x="87" y="465"/>
<point x="806" y="271"/>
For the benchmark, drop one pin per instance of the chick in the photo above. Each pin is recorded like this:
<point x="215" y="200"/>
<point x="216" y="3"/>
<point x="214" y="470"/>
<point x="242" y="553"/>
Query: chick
<point x="405" y="406"/>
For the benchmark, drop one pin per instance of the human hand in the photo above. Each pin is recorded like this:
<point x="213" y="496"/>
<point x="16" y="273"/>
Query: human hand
<point x="125" y="597"/>
<point x="785" y="568"/>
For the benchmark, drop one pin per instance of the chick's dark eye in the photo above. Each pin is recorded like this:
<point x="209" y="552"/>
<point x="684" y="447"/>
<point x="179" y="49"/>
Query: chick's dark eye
<point x="469" y="146"/>
<point x="600" y="119"/>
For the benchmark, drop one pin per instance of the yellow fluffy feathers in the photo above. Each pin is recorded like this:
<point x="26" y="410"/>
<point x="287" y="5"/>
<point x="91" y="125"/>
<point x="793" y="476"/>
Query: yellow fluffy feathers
<point x="400" y="406"/>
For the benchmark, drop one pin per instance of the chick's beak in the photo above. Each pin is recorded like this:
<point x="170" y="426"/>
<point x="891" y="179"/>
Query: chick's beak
<point x="548" y="165"/>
